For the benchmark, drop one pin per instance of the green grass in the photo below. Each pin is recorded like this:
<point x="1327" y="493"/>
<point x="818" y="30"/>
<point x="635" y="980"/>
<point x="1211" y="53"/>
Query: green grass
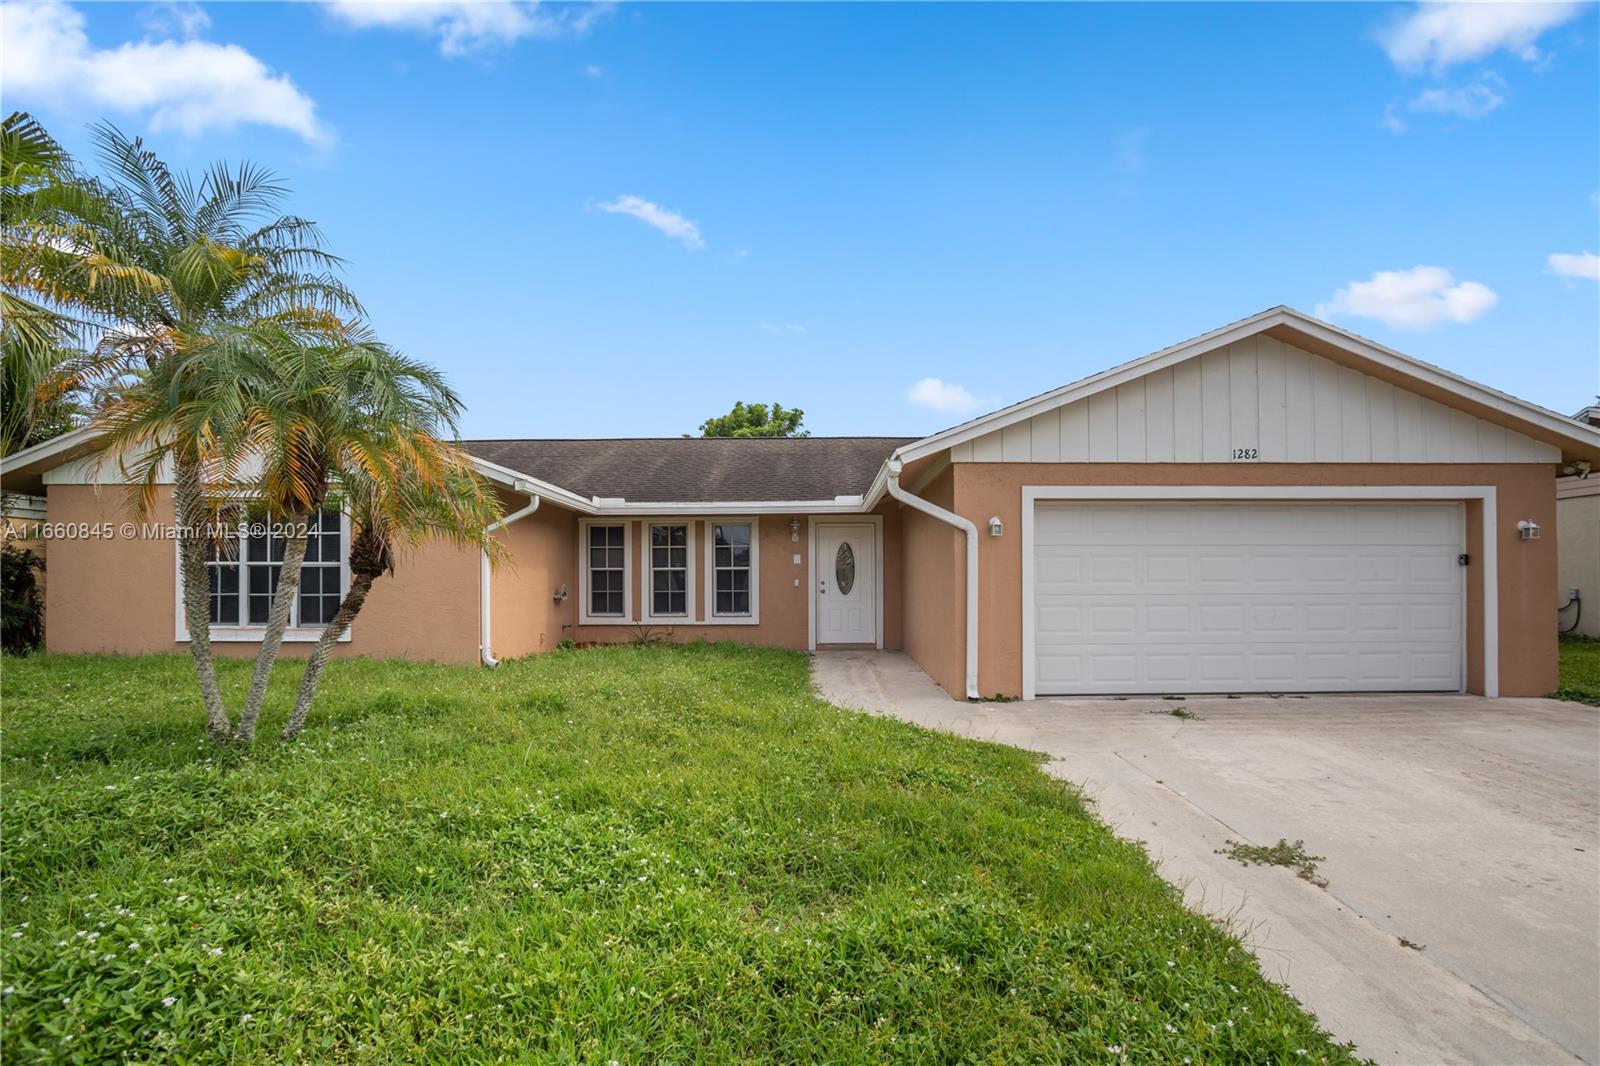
<point x="1580" y="670"/>
<point x="639" y="855"/>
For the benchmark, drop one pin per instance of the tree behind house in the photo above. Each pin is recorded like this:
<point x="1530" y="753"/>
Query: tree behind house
<point x="757" y="420"/>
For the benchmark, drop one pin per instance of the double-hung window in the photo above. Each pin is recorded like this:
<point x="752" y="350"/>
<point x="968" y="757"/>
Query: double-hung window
<point x="732" y="569"/>
<point x="244" y="563"/>
<point x="670" y="571"/>
<point x="608" y="571"/>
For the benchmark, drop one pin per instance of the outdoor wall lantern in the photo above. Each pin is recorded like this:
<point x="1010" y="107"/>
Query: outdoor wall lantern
<point x="1528" y="530"/>
<point x="794" y="530"/>
<point x="997" y="528"/>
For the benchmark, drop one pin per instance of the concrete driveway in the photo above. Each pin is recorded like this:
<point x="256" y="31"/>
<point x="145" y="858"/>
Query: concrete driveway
<point x="1461" y="920"/>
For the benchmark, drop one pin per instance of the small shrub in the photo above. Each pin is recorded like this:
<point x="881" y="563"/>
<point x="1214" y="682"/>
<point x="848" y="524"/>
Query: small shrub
<point x="21" y="606"/>
<point x="1282" y="853"/>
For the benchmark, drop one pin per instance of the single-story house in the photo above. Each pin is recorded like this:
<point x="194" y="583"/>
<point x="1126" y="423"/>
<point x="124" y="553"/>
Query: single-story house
<point x="1578" y="541"/>
<point x="1277" y="505"/>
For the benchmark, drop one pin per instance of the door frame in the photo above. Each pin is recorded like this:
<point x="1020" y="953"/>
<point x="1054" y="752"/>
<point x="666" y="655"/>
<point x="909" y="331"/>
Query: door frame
<point x="812" y="522"/>
<point x="1489" y="571"/>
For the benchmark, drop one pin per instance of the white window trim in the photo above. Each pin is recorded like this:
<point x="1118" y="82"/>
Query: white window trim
<point x="1489" y="571"/>
<point x="246" y="634"/>
<point x="584" y="617"/>
<point x="876" y="521"/>
<point x="647" y="567"/>
<point x="712" y="617"/>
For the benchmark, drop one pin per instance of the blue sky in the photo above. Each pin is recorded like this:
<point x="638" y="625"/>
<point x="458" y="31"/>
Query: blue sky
<point x="617" y="221"/>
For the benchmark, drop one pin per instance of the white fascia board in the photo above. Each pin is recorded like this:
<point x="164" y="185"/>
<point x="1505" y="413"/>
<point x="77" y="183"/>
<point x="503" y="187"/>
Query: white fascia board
<point x="54" y="446"/>
<point x="1465" y="388"/>
<point x="518" y="481"/>
<point x="1077" y="390"/>
<point x="846" y="505"/>
<point x="1511" y="406"/>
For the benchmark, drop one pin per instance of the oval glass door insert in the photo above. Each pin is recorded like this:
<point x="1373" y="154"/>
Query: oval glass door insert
<point x="844" y="569"/>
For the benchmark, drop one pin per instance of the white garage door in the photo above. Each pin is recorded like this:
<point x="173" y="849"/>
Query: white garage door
<point x="1247" y="597"/>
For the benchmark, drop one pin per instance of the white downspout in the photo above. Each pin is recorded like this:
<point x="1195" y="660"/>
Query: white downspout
<point x="483" y="570"/>
<point x="966" y="526"/>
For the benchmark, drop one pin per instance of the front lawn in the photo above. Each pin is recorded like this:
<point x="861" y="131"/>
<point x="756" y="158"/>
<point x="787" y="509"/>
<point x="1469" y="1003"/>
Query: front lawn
<point x="1580" y="670"/>
<point x="629" y="855"/>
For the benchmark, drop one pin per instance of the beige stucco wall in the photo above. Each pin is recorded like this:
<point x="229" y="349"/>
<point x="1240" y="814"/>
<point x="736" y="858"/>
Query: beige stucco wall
<point x="934" y="556"/>
<point x="785" y="587"/>
<point x="1527" y="568"/>
<point x="118" y="594"/>
<point x="526" y="616"/>
<point x="1578" y="552"/>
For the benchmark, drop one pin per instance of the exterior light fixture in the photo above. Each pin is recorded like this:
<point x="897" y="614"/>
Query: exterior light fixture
<point x="997" y="528"/>
<point x="1528" y="530"/>
<point x="794" y="530"/>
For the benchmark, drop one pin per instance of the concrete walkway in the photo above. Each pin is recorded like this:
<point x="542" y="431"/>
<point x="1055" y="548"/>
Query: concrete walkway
<point x="1461" y="921"/>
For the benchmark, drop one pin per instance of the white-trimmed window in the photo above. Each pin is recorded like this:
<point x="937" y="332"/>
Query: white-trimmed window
<point x="733" y="562"/>
<point x="671" y="568"/>
<point x="605" y="595"/>
<point x="243" y="566"/>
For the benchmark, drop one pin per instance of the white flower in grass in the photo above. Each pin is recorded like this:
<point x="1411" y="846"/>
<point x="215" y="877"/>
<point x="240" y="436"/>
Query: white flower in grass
<point x="133" y="946"/>
<point x="246" y="1016"/>
<point x="183" y="898"/>
<point x="1171" y="963"/>
<point x="16" y="936"/>
<point x="1171" y="1028"/>
<point x="1115" y="1049"/>
<point x="215" y="952"/>
<point x="169" y="1001"/>
<point x="8" y="990"/>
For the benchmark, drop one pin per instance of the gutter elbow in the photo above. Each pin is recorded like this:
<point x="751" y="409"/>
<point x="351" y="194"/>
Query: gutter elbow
<point x="486" y="656"/>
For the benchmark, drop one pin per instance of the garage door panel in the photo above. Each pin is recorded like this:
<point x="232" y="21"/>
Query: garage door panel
<point x="1242" y="597"/>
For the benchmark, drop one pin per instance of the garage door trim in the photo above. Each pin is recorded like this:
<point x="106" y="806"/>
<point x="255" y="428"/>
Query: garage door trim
<point x="1488" y="571"/>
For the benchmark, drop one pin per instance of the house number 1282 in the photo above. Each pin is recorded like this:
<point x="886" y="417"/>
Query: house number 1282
<point x="1247" y="453"/>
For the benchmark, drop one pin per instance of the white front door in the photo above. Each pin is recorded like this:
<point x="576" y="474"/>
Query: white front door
<point x="847" y="584"/>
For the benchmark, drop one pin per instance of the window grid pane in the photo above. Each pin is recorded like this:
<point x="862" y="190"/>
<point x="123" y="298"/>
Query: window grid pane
<point x="607" y="567"/>
<point x="322" y="574"/>
<point x="731" y="557"/>
<point x="669" y="570"/>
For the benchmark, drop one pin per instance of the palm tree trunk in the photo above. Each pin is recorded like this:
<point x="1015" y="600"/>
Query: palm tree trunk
<point x="294" y="554"/>
<point x="191" y="517"/>
<point x="349" y="607"/>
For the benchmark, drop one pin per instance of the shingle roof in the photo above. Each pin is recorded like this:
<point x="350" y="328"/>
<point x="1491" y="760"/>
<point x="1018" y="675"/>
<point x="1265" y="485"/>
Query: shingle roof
<point x="698" y="469"/>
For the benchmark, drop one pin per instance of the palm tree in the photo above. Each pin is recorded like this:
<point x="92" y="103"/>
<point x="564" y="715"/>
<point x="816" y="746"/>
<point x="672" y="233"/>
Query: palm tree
<point x="36" y="340"/>
<point x="176" y="273"/>
<point x="353" y="414"/>
<point x="436" y="495"/>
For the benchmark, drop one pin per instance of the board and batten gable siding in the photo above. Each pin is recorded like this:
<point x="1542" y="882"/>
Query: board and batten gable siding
<point x="1287" y="404"/>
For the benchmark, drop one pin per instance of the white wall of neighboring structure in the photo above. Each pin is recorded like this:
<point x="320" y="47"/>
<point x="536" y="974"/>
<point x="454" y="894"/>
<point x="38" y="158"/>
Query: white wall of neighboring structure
<point x="1578" y="550"/>
<point x="1256" y="399"/>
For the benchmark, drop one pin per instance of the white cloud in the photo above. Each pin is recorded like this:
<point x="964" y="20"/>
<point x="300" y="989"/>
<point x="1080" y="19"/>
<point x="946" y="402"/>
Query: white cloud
<point x="783" y="327"/>
<point x="594" y="70"/>
<point x="175" y="18"/>
<point x="1575" y="265"/>
<point x="657" y="217"/>
<point x="1468" y="101"/>
<point x="1440" y="35"/>
<point x="1419" y="298"/>
<point x="466" y="26"/>
<point x="189" y="85"/>
<point x="943" y="396"/>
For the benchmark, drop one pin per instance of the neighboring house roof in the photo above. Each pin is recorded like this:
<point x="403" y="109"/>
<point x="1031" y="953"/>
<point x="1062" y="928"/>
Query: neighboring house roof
<point x="1589" y="416"/>
<point x="1301" y="329"/>
<point x="698" y="469"/>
